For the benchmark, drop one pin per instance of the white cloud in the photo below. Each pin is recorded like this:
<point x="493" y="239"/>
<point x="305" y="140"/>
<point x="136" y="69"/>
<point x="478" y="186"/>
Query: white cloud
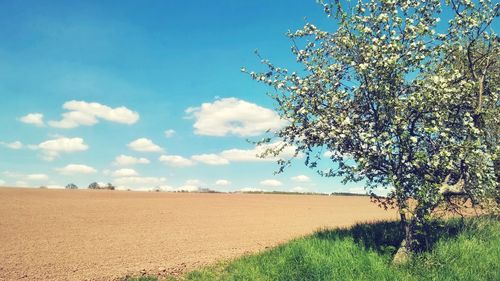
<point x="235" y="155"/>
<point x="55" y="186"/>
<point x="13" y="145"/>
<point x="222" y="183"/>
<point x="100" y="183"/>
<point x="125" y="160"/>
<point x="166" y="188"/>
<point x="176" y="161"/>
<point x="73" y="169"/>
<point x="357" y="190"/>
<point x="301" y="178"/>
<point x="243" y="155"/>
<point x="144" y="145"/>
<point x="251" y="155"/>
<point x="194" y="182"/>
<point x="251" y="189"/>
<point x="141" y="182"/>
<point x="52" y="148"/>
<point x="2" y="182"/>
<point x="188" y="188"/>
<point x="74" y="119"/>
<point x="210" y="159"/>
<point x="37" y="177"/>
<point x="299" y="189"/>
<point x="169" y="133"/>
<point x="125" y="173"/>
<point x="232" y="116"/>
<point x="11" y="174"/>
<point x="271" y="183"/>
<point x="83" y="113"/>
<point x="21" y="184"/>
<point x="23" y="179"/>
<point x="33" y="119"/>
<point x="191" y="185"/>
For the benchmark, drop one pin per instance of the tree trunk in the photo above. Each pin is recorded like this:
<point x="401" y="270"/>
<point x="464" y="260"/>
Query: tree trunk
<point x="406" y="248"/>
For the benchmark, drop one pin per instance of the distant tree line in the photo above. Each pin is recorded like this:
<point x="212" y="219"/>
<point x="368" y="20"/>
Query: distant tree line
<point x="93" y="185"/>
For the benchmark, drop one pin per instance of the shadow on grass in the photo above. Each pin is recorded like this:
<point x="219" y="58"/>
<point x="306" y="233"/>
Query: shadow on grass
<point x="467" y="250"/>
<point x="385" y="237"/>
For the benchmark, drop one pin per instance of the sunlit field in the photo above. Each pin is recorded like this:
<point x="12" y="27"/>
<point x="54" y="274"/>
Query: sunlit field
<point x="101" y="235"/>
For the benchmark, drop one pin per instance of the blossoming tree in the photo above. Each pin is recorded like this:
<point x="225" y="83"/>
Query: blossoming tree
<point x="399" y="100"/>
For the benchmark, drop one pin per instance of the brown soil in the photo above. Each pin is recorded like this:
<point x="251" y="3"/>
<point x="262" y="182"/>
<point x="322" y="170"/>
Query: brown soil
<point x="102" y="235"/>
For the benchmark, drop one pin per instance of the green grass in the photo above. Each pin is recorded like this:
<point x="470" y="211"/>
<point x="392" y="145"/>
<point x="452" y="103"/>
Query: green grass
<point x="145" y="278"/>
<point x="459" y="250"/>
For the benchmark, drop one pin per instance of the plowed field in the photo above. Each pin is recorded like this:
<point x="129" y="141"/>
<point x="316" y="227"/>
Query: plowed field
<point x="102" y="235"/>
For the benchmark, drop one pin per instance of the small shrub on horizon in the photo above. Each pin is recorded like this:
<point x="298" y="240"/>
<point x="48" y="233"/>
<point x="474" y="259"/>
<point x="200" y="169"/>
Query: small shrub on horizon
<point x="71" y="186"/>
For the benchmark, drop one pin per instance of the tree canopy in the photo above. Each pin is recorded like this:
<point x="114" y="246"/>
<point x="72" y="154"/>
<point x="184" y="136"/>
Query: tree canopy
<point x="71" y="186"/>
<point x="398" y="99"/>
<point x="94" y="185"/>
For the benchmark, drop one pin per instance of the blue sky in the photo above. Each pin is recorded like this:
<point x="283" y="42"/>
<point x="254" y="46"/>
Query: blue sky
<point x="109" y="78"/>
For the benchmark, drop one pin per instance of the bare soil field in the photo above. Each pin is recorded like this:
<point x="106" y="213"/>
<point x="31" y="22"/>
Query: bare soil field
<point x="104" y="235"/>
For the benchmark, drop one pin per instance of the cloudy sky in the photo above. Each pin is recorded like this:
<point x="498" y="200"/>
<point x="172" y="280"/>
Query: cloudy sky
<point x="144" y="93"/>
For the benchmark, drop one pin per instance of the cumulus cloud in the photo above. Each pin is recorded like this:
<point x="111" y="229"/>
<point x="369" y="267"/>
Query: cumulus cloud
<point x="301" y="178"/>
<point x="194" y="182"/>
<point x="251" y="189"/>
<point x="232" y="116"/>
<point x="210" y="159"/>
<point x="53" y="148"/>
<point x="74" y="169"/>
<point x="33" y="119"/>
<point x="176" y="161"/>
<point x="13" y="145"/>
<point x="188" y="188"/>
<point x="243" y="155"/>
<point x="251" y="155"/>
<point x="141" y="182"/>
<point x="23" y="180"/>
<point x="271" y="183"/>
<point x="144" y="145"/>
<point x="222" y="182"/>
<point x="37" y="177"/>
<point x="55" y="186"/>
<point x="125" y="173"/>
<point x="125" y="160"/>
<point x="165" y="188"/>
<point x="137" y="183"/>
<point x="169" y="133"/>
<point x="357" y="190"/>
<point x="299" y="189"/>
<point x="81" y="113"/>
<point x="246" y="155"/>
<point x="74" y="119"/>
<point x="11" y="174"/>
<point x="21" y="184"/>
<point x="191" y="185"/>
